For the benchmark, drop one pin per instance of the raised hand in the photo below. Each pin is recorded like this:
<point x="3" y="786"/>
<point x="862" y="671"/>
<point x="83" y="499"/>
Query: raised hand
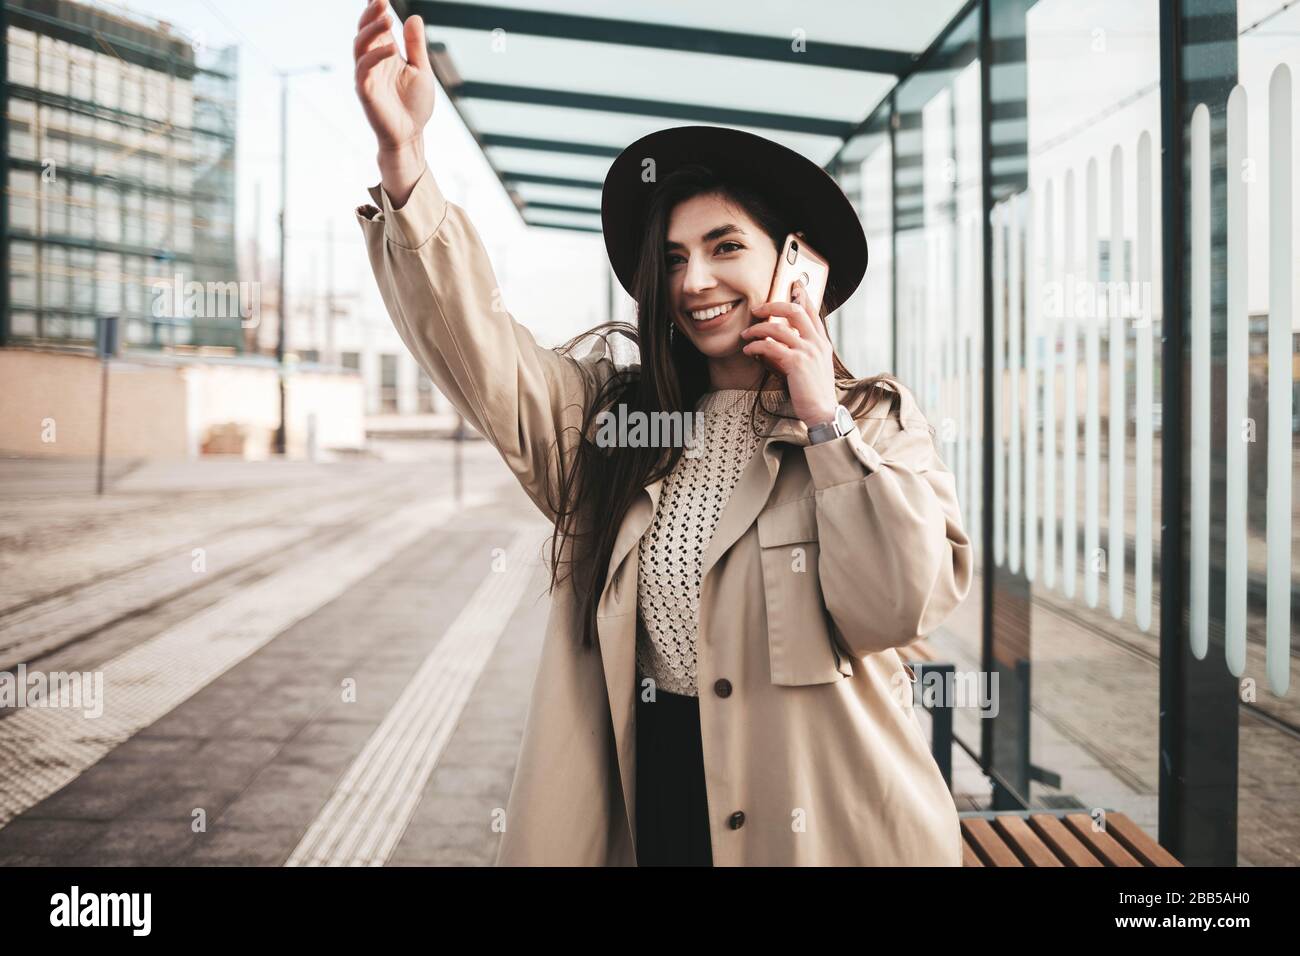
<point x="396" y="94"/>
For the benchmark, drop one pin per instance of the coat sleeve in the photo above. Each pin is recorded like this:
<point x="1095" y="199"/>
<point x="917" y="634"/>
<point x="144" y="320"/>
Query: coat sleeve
<point x="894" y="560"/>
<point x="441" y="293"/>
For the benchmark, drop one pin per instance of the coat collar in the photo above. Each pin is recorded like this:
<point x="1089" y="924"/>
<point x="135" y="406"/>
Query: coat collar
<point x="746" y="501"/>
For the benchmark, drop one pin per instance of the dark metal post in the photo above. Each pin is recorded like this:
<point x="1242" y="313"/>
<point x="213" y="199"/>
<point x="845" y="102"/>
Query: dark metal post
<point x="1199" y="702"/>
<point x="986" y="461"/>
<point x="4" y="177"/>
<point x="106" y="345"/>
<point x="458" y="465"/>
<point x="893" y="233"/>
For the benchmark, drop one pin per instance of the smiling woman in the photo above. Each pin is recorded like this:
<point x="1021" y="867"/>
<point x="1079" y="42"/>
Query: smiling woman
<point x="718" y="679"/>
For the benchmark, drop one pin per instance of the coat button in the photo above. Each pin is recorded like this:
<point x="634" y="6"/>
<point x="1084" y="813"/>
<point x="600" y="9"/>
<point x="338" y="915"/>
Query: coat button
<point x="722" y="687"/>
<point x="737" y="820"/>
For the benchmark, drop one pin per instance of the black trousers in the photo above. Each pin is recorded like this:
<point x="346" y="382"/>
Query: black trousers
<point x="672" y="807"/>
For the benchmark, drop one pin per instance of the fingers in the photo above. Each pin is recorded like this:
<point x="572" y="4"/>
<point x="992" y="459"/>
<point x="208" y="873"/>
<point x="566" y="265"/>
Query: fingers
<point x="417" y="45"/>
<point x="781" y="331"/>
<point x="372" y="35"/>
<point x="377" y="55"/>
<point x="803" y="320"/>
<point x="779" y="357"/>
<point x="373" y="9"/>
<point x="775" y="310"/>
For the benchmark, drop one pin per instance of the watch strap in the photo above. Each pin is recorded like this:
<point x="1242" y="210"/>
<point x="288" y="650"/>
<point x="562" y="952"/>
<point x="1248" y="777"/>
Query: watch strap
<point x="826" y="431"/>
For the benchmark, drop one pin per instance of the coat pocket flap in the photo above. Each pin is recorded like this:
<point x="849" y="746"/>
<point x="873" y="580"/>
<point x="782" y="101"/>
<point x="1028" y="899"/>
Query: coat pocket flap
<point x="789" y="522"/>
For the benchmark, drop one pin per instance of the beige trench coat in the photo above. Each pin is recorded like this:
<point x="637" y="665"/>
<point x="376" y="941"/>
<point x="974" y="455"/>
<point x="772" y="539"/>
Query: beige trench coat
<point x="827" y="559"/>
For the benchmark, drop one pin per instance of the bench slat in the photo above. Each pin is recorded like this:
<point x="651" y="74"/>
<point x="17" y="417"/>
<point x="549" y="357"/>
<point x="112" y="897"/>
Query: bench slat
<point x="1066" y="839"/>
<point x="988" y="843"/>
<point x="1138" y="842"/>
<point x="1064" y="844"/>
<point x="1100" y="842"/>
<point x="1016" y="832"/>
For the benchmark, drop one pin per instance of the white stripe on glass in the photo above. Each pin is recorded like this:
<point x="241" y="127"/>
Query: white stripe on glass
<point x="975" y="293"/>
<point x="1015" y="461"/>
<point x="1091" y="438"/>
<point x="1117" y="446"/>
<point x="1031" y="385"/>
<point x="1144" y="365"/>
<point x="999" y="365"/>
<point x="1237" y="383"/>
<point x="1048" y="319"/>
<point x="1070" y="417"/>
<point x="1198" y="590"/>
<point x="1281" y="318"/>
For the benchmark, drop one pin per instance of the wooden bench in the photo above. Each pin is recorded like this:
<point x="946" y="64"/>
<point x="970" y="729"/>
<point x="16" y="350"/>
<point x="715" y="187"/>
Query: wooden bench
<point x="1056" y="838"/>
<point x="1031" y="837"/>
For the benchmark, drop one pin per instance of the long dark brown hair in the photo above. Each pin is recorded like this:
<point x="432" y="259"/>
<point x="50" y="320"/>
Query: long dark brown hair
<point x="597" y="485"/>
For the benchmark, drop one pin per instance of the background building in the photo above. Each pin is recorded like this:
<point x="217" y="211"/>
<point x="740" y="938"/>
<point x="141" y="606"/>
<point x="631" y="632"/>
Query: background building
<point x="120" y="168"/>
<point x="120" y="202"/>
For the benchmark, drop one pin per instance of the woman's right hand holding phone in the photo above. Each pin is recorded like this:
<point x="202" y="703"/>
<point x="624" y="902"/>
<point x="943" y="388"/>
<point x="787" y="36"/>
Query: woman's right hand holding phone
<point x="396" y="94"/>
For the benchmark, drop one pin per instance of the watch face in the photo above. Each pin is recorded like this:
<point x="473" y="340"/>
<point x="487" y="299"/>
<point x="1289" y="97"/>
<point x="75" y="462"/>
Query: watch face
<point x="844" y="420"/>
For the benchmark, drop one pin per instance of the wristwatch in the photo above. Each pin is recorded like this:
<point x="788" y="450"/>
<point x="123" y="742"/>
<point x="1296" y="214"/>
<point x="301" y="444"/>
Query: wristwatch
<point x="838" y="426"/>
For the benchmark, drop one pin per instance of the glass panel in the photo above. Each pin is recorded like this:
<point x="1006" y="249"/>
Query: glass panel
<point x="570" y="165"/>
<point x="1076" y="267"/>
<point x="557" y="217"/>
<point x="537" y="192"/>
<point x="612" y="129"/>
<point x="81" y="210"/>
<point x="934" y="208"/>
<point x="22" y="274"/>
<point x="108" y="80"/>
<point x="862" y="328"/>
<point x="108" y="214"/>
<point x="878" y="23"/>
<point x="53" y="65"/>
<point x="22" y="57"/>
<point x="55" y="278"/>
<point x="671" y="76"/>
<point x="22" y="128"/>
<point x="22" y="200"/>
<point x="81" y="276"/>
<point x="1241" y="324"/>
<point x="872" y="347"/>
<point x="108" y="284"/>
<point x="134" y="298"/>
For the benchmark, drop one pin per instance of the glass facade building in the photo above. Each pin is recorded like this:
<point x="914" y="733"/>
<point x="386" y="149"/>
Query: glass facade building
<point x="120" y="164"/>
<point x="1083" y="223"/>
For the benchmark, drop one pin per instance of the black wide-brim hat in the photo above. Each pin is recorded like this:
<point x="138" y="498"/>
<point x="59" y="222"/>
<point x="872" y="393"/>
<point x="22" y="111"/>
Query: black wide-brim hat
<point x="800" y="190"/>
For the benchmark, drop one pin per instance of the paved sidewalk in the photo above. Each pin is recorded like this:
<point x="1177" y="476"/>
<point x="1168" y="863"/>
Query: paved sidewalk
<point x="345" y="683"/>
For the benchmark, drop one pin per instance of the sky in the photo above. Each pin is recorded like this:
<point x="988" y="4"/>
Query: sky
<point x="553" y="281"/>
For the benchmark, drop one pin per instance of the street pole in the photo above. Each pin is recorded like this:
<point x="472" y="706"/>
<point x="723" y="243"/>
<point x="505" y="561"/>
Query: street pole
<point x="281" y="438"/>
<point x="103" y="423"/>
<point x="106" y="345"/>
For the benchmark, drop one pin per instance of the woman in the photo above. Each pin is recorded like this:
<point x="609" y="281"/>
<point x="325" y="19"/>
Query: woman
<point x="720" y="681"/>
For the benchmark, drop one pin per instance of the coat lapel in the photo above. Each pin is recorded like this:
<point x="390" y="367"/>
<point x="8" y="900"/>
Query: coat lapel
<point x="752" y="490"/>
<point x="617" y="637"/>
<point x="617" y="633"/>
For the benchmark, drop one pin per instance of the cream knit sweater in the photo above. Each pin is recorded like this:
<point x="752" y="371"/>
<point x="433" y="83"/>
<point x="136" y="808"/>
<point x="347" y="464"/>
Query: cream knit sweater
<point x="672" y="548"/>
